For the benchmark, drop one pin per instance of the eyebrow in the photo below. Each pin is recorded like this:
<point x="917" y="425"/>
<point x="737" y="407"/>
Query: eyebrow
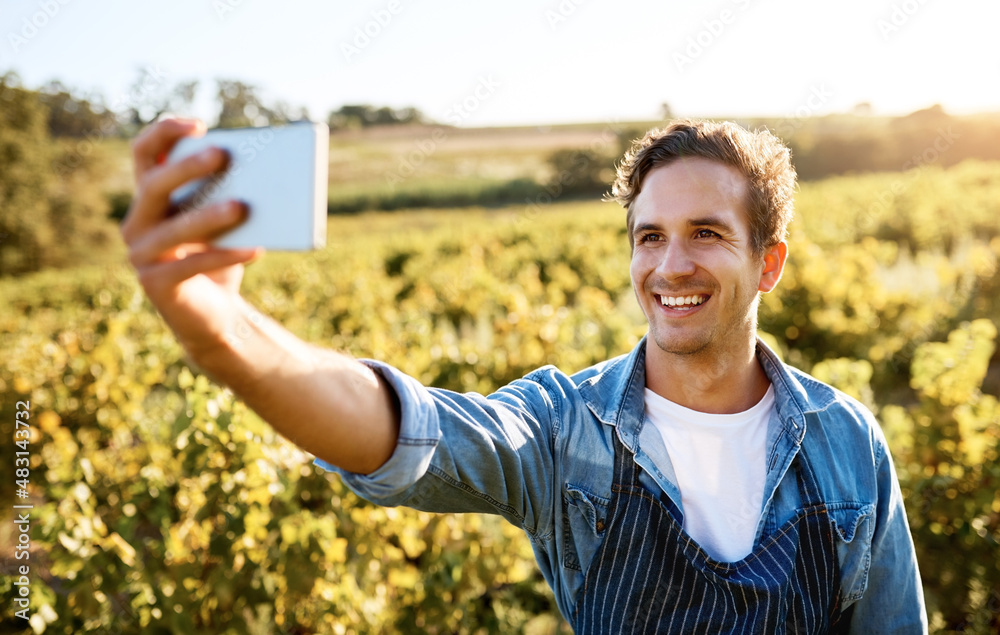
<point x="708" y="221"/>
<point x="712" y="221"/>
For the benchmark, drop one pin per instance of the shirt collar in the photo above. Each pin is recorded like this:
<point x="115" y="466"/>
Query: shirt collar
<point x="615" y="393"/>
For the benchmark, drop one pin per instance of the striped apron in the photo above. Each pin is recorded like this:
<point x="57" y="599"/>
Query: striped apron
<point x="649" y="576"/>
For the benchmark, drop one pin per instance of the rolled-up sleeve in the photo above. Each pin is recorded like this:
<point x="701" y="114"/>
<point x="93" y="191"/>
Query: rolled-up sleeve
<point x="419" y="433"/>
<point x="465" y="452"/>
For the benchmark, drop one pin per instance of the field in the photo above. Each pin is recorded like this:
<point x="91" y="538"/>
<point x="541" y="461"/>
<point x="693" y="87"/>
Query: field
<point x="163" y="505"/>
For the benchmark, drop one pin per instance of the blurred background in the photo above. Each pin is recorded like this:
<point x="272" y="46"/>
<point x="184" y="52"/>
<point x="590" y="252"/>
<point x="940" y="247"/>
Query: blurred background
<point x="470" y="147"/>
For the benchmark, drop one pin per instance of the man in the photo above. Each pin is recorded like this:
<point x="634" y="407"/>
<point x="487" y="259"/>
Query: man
<point x="696" y="484"/>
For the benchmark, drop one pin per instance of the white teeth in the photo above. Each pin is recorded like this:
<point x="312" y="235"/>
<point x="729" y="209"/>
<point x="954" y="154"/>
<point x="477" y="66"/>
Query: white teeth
<point x="687" y="300"/>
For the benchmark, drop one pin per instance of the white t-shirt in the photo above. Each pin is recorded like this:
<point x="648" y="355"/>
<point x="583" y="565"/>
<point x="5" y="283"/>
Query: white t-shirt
<point x="719" y="464"/>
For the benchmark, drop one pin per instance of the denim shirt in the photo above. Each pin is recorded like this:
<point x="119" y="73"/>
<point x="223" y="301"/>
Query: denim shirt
<point x="539" y="453"/>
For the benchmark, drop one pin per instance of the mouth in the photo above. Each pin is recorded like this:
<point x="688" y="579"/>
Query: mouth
<point x="681" y="304"/>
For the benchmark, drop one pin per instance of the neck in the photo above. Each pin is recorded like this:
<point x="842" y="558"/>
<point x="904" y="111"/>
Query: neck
<point x="714" y="382"/>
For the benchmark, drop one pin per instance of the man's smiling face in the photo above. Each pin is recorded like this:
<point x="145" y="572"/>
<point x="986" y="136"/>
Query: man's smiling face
<point x="693" y="269"/>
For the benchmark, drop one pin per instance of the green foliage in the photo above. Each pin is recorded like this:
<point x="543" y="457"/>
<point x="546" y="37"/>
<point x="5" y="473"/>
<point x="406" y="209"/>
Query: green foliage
<point x="163" y="505"/>
<point x="167" y="506"/>
<point x="152" y="95"/>
<point x="486" y="194"/>
<point x="352" y="116"/>
<point x="580" y="172"/>
<point x="54" y="213"/>
<point x="242" y="107"/>
<point x="72" y="116"/>
<point x="946" y="447"/>
<point x="450" y="195"/>
<point x="846" y="144"/>
<point x="24" y="178"/>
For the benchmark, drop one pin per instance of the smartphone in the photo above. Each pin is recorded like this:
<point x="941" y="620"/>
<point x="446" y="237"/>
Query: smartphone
<point x="280" y="172"/>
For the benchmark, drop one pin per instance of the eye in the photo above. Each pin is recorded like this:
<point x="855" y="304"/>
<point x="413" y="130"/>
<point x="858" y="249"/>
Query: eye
<point x="646" y="238"/>
<point x="706" y="233"/>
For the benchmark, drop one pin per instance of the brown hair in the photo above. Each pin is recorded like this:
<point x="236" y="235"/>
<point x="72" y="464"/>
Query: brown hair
<point x="759" y="156"/>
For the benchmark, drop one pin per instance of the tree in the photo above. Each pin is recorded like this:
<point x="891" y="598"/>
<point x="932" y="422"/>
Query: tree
<point x="71" y="116"/>
<point x="579" y="172"/>
<point x="24" y="178"/>
<point x="364" y="115"/>
<point x="281" y="112"/>
<point x="241" y="107"/>
<point x="933" y="113"/>
<point x="54" y="213"/>
<point x="410" y="114"/>
<point x="348" y="116"/>
<point x="862" y="109"/>
<point x="152" y="96"/>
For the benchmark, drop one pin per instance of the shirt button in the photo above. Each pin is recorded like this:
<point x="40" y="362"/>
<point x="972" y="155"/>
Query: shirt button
<point x="600" y="526"/>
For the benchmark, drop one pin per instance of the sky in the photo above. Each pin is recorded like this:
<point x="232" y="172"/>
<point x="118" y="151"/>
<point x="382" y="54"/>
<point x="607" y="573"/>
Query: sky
<point x="524" y="62"/>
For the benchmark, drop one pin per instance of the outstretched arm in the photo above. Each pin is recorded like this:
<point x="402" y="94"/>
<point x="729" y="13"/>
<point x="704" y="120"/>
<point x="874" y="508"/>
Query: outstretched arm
<point x="327" y="403"/>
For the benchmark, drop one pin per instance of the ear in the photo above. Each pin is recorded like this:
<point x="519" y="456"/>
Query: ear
<point x="774" y="264"/>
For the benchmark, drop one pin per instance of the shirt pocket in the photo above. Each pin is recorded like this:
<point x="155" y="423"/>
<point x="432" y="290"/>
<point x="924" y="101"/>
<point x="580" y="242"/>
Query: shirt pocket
<point x="585" y="516"/>
<point x="853" y="528"/>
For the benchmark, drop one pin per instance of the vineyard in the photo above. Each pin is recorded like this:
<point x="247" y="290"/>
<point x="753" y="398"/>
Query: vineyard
<point x="161" y="504"/>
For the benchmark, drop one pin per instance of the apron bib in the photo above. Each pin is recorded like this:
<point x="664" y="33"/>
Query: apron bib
<point x="649" y="576"/>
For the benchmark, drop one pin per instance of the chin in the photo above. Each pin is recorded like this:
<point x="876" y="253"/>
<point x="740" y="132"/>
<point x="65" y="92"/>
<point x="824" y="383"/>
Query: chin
<point x="675" y="345"/>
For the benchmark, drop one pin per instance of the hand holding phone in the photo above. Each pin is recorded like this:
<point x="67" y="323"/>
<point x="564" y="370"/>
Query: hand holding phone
<point x="279" y="172"/>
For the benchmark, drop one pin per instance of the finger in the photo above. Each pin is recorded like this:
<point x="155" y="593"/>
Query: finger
<point x="152" y="198"/>
<point x="189" y="227"/>
<point x="153" y="143"/>
<point x="172" y="273"/>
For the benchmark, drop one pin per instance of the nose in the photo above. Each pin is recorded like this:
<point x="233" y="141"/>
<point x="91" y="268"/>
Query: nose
<point x="675" y="261"/>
